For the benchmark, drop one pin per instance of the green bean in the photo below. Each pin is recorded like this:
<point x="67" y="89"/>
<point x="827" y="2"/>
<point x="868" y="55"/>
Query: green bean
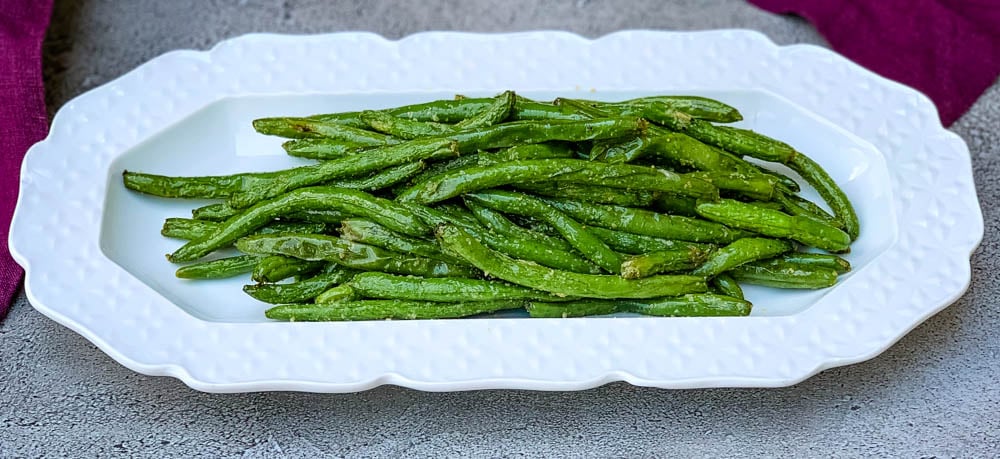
<point x="739" y="141"/>
<point x="306" y="128"/>
<point x="757" y="186"/>
<point x="785" y="275"/>
<point x="301" y="291"/>
<point x="821" y="260"/>
<point x="517" y="153"/>
<point x="322" y="148"/>
<point x="511" y="244"/>
<point x="386" y="309"/>
<point x="641" y="221"/>
<point x="452" y="289"/>
<point x="457" y="241"/>
<point x="814" y="174"/>
<point x="618" y="150"/>
<point x="578" y="308"/>
<point x="402" y="128"/>
<point x="771" y="205"/>
<point x="739" y="252"/>
<point x="349" y="254"/>
<point x="590" y="193"/>
<point x="329" y="217"/>
<point x="438" y="111"/>
<point x="587" y="244"/>
<point x="686" y="151"/>
<point x="774" y="223"/>
<point x="724" y="284"/>
<point x="526" y="132"/>
<point x="466" y="180"/>
<point x="214" y="212"/>
<point x="677" y="205"/>
<point x="637" y="244"/>
<point x="376" y="159"/>
<point x="689" y="305"/>
<point x="207" y="187"/>
<point x="186" y="228"/>
<point x="695" y="305"/>
<point x="218" y="269"/>
<point x="384" y="178"/>
<point x="694" y="106"/>
<point x="504" y="227"/>
<point x="371" y="233"/>
<point x="382" y="211"/>
<point x="795" y="205"/>
<point x="274" y="268"/>
<point x="789" y="183"/>
<point x="496" y="112"/>
<point x="338" y="294"/>
<point x="647" y="264"/>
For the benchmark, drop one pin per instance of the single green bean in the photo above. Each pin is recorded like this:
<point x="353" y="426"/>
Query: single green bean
<point x="677" y="205"/>
<point x="739" y="252"/>
<point x="274" y="268"/>
<point x="384" y="178"/>
<point x="796" y="205"/>
<point x="822" y="260"/>
<point x="785" y="275"/>
<point x="637" y="244"/>
<point x="452" y="289"/>
<point x="724" y="284"/>
<point x="641" y="221"/>
<point x="589" y="245"/>
<point x="496" y="112"/>
<point x="689" y="305"/>
<point x="590" y="193"/>
<point x="349" y="254"/>
<point x="403" y="128"/>
<point x="647" y="264"/>
<point x="217" y="212"/>
<point x="218" y="269"/>
<point x="814" y="174"/>
<point x="386" y="309"/>
<point x="696" y="305"/>
<point x="525" y="132"/>
<point x="207" y="187"/>
<point x="322" y="148"/>
<point x="578" y="308"/>
<point x="338" y="294"/>
<point x="458" y="242"/>
<point x="307" y="128"/>
<point x="382" y="211"/>
<point x="775" y="223"/>
<point x="694" y="106"/>
<point x="190" y="229"/>
<point x="466" y="180"/>
<point x="753" y="185"/>
<point x="301" y="291"/>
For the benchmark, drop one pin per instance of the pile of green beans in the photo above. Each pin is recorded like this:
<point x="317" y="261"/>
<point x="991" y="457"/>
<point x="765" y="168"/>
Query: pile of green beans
<point x="569" y="208"/>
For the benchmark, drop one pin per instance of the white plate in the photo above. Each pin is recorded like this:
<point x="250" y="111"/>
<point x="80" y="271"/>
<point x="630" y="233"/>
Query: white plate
<point x="94" y="262"/>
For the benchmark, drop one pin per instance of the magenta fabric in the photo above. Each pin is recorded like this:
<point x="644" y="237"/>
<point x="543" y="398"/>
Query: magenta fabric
<point x="947" y="49"/>
<point x="22" y="114"/>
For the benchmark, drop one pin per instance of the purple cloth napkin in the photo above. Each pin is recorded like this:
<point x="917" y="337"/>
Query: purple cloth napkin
<point x="22" y="114"/>
<point x="947" y="49"/>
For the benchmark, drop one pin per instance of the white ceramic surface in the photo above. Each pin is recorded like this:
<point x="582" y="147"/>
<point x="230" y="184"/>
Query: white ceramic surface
<point x="94" y="258"/>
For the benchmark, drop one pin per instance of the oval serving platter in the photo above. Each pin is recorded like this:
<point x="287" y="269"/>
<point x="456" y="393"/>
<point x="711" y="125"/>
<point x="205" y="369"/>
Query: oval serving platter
<point x="94" y="257"/>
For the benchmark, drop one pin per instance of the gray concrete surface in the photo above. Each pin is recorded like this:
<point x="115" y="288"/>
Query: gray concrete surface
<point x="934" y="394"/>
